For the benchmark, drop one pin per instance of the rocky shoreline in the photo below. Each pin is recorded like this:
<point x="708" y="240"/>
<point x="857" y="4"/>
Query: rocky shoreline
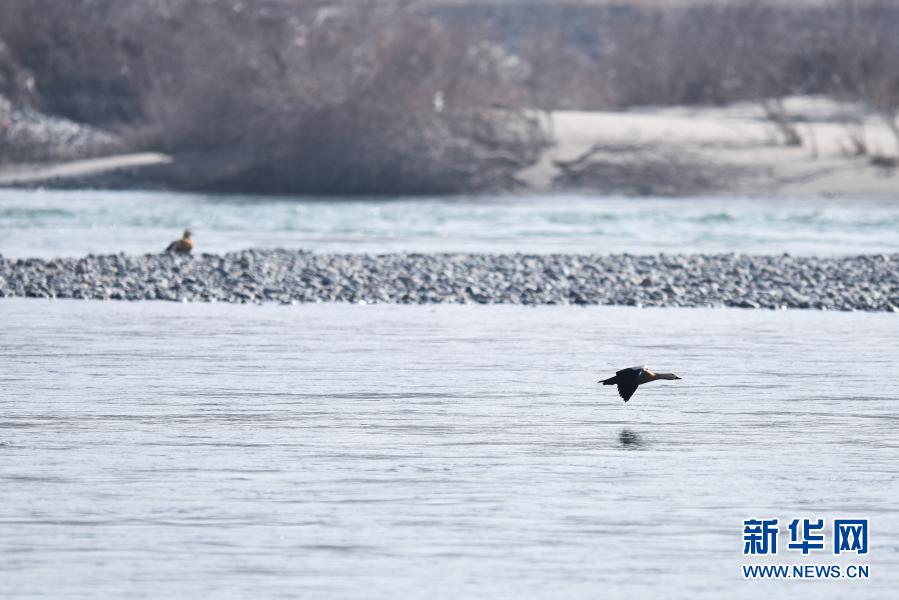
<point x="867" y="283"/>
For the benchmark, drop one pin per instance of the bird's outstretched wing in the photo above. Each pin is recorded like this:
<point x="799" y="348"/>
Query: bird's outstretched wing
<point x="628" y="380"/>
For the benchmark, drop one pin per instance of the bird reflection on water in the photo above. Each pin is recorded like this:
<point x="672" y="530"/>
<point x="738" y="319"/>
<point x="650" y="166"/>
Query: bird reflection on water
<point x="631" y="440"/>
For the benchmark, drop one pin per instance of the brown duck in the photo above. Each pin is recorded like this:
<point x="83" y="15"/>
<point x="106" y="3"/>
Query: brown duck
<point x="628" y="379"/>
<point x="182" y="246"/>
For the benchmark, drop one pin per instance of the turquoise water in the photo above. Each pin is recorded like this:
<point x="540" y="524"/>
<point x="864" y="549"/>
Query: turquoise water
<point x="73" y="223"/>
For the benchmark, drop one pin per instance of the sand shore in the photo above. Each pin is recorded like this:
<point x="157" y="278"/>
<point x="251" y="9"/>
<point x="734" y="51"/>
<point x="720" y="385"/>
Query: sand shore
<point x="14" y="175"/>
<point x="741" y="148"/>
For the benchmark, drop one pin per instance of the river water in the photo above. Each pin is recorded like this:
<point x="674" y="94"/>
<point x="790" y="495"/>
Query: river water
<point x="160" y="450"/>
<point x="74" y="223"/>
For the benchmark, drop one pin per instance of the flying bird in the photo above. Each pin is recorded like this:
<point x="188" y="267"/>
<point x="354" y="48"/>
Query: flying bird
<point x="182" y="246"/>
<point x="628" y="379"/>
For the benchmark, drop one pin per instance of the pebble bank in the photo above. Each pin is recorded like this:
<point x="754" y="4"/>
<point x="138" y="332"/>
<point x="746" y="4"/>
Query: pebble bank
<point x="868" y="283"/>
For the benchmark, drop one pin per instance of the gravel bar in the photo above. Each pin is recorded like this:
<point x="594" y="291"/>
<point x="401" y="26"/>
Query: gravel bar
<point x="869" y="283"/>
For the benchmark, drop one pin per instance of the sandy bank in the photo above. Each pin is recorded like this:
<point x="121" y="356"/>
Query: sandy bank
<point x="737" y="150"/>
<point x="36" y="173"/>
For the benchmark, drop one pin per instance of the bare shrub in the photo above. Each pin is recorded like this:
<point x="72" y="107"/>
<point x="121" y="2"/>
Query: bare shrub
<point x="644" y="170"/>
<point x="706" y="52"/>
<point x="777" y="114"/>
<point x="866" y="47"/>
<point x="16" y="83"/>
<point x="82" y="54"/>
<point x="282" y="96"/>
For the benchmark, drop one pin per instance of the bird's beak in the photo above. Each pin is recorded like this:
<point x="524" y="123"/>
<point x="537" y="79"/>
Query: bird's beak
<point x="676" y="377"/>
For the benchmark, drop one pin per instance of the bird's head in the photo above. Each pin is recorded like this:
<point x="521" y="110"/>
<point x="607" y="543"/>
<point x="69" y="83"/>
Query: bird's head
<point x="186" y="234"/>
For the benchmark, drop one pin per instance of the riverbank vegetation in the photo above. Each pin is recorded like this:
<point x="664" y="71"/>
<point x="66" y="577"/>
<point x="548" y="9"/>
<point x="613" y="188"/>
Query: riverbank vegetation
<point x="721" y="53"/>
<point x="309" y="96"/>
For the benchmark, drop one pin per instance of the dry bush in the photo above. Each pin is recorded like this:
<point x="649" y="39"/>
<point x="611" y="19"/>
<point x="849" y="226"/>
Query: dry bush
<point x="681" y="54"/>
<point x="290" y="96"/>
<point x="561" y="74"/>
<point x="636" y="169"/>
<point x="866" y="51"/>
<point x="717" y="53"/>
<point x="704" y="53"/>
<point x="16" y="84"/>
<point x="81" y="54"/>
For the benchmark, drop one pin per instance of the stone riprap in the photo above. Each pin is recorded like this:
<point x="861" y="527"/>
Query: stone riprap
<point x="869" y="282"/>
